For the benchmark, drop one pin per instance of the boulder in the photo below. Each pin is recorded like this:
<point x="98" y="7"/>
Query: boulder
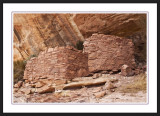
<point x="39" y="84"/>
<point x="18" y="85"/>
<point x="15" y="90"/>
<point x="45" y="89"/>
<point x="96" y="75"/>
<point x="97" y="89"/>
<point x="27" y="91"/>
<point x="100" y="94"/>
<point x="60" y="82"/>
<point x="108" y="86"/>
<point x="126" y="70"/>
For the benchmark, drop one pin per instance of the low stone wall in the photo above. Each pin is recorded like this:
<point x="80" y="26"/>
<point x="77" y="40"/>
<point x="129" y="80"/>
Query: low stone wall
<point x="59" y="63"/>
<point x="107" y="52"/>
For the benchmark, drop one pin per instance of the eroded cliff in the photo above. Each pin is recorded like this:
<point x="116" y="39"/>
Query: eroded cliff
<point x="37" y="32"/>
<point x="132" y="26"/>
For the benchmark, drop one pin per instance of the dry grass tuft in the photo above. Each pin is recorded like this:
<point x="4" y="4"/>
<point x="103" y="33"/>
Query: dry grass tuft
<point x="140" y="84"/>
<point x="19" y="67"/>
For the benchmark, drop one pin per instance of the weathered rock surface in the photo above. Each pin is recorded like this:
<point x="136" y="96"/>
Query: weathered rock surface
<point x="128" y="25"/>
<point x="107" y="52"/>
<point x="60" y="82"/>
<point x="46" y="89"/>
<point x="97" y="81"/>
<point x="37" y="32"/>
<point x="100" y="94"/>
<point x="96" y="75"/>
<point x="19" y="84"/>
<point x="87" y="94"/>
<point x="39" y="84"/>
<point x="126" y="71"/>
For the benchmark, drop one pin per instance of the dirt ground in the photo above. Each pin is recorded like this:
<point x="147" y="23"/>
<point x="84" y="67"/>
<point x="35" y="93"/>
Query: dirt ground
<point x="92" y="94"/>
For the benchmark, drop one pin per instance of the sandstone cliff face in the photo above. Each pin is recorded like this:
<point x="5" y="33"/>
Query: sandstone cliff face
<point x="132" y="26"/>
<point x="37" y="32"/>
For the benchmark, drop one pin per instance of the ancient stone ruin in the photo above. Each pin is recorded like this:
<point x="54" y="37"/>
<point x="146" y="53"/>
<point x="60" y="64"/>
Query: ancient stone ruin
<point x="107" y="52"/>
<point x="57" y="63"/>
<point x="59" y="68"/>
<point x="101" y="53"/>
<point x="100" y="73"/>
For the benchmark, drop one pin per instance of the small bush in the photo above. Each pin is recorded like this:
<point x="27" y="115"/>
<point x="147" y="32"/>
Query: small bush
<point x="18" y="68"/>
<point x="79" y="45"/>
<point x="31" y="56"/>
<point x="138" y="85"/>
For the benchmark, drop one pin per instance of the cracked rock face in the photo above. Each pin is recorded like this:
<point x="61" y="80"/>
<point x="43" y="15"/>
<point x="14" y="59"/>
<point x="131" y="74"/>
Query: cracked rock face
<point x="131" y="26"/>
<point x="37" y="32"/>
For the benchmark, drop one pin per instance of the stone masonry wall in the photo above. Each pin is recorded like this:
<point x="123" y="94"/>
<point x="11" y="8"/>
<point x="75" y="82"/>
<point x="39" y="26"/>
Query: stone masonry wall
<point x="59" y="63"/>
<point x="107" y="52"/>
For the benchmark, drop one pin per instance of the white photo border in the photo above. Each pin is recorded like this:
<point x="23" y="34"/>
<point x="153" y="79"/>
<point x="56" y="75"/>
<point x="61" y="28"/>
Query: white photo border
<point x="149" y="9"/>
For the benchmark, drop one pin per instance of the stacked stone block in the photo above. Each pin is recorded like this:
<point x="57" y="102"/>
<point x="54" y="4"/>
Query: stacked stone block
<point x="59" y="63"/>
<point x="108" y="52"/>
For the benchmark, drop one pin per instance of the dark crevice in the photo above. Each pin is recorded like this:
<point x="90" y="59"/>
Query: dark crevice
<point x="17" y="35"/>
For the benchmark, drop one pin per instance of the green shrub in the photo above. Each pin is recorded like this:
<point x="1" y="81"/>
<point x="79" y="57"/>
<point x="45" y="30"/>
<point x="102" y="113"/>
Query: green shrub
<point x="18" y="68"/>
<point x="31" y="56"/>
<point x="79" y="45"/>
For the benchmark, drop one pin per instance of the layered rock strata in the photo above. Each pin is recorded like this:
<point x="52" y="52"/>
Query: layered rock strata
<point x="129" y="25"/>
<point x="107" y="52"/>
<point x="35" y="32"/>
